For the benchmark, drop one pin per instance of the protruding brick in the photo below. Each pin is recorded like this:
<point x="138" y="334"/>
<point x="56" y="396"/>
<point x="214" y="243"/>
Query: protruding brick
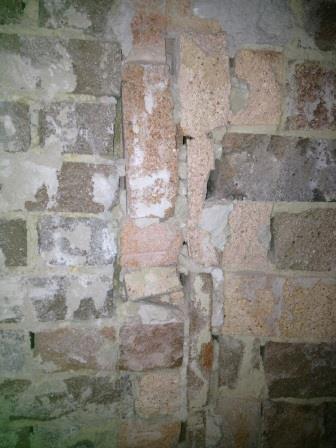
<point x="85" y="128"/>
<point x="141" y="433"/>
<point x="256" y="97"/>
<point x="14" y="127"/>
<point x="204" y="83"/>
<point x="300" y="370"/>
<point x="289" y="425"/>
<point x="145" y="347"/>
<point x="249" y="237"/>
<point x="75" y="348"/>
<point x="76" y="241"/>
<point x="149" y="132"/>
<point x="78" y="66"/>
<point x="152" y="245"/>
<point x="274" y="168"/>
<point x="13" y="242"/>
<point x="304" y="240"/>
<point x="12" y="351"/>
<point x="158" y="393"/>
<point x="311" y="96"/>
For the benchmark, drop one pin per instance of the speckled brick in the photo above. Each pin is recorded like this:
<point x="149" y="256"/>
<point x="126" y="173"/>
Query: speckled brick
<point x="14" y="127"/>
<point x="13" y="242"/>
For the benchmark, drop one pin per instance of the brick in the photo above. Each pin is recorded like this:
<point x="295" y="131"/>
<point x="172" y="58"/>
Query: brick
<point x="319" y="23"/>
<point x="78" y="297"/>
<point x="87" y="188"/>
<point x="270" y="305"/>
<point x="14" y="127"/>
<point x="148" y="128"/>
<point x="274" y="168"/>
<point x="311" y="96"/>
<point x="11" y="11"/>
<point x="75" y="241"/>
<point x="329" y="436"/>
<point x="200" y="287"/>
<point x="203" y="79"/>
<point x="289" y="425"/>
<point x="231" y="351"/>
<point x="149" y="246"/>
<point x="300" y="370"/>
<point x="259" y="73"/>
<point x="78" y="66"/>
<point x="76" y="348"/>
<point x="249" y="237"/>
<point x="13" y="242"/>
<point x="88" y="390"/>
<point x="158" y="393"/>
<point x="148" y="29"/>
<point x="304" y="240"/>
<point x="248" y="22"/>
<point x="84" y="128"/>
<point x="236" y="423"/>
<point x="151" y="282"/>
<point x="91" y="18"/>
<point x="12" y="351"/>
<point x="141" y="433"/>
<point x="145" y="347"/>
<point x="11" y="299"/>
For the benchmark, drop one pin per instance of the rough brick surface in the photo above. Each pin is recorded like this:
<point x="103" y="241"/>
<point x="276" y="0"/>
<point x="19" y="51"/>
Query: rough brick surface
<point x="13" y="242"/>
<point x="75" y="241"/>
<point x="270" y="305"/>
<point x="68" y="348"/>
<point x="287" y="425"/>
<point x="249" y="238"/>
<point x="78" y="66"/>
<point x="11" y="299"/>
<point x="274" y="168"/>
<point x="159" y="393"/>
<point x="259" y="74"/>
<point x="203" y="79"/>
<point x="149" y="132"/>
<point x="11" y="12"/>
<point x="145" y="347"/>
<point x="231" y="351"/>
<point x="12" y="351"/>
<point x="85" y="128"/>
<point x="141" y="433"/>
<point x="152" y="245"/>
<point x="304" y="240"/>
<point x="300" y="370"/>
<point x="311" y="96"/>
<point x="319" y="22"/>
<point x="14" y="127"/>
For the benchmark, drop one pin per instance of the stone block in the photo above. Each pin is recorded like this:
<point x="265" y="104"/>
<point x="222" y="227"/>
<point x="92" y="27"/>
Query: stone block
<point x="249" y="22"/>
<point x="300" y="370"/>
<point x="270" y="305"/>
<point x="249" y="237"/>
<point x="11" y="299"/>
<point x="76" y="241"/>
<point x="142" y="433"/>
<point x="84" y="128"/>
<point x="319" y="23"/>
<point x="257" y="89"/>
<point x="78" y="297"/>
<point x="231" y="351"/>
<point x="289" y="425"/>
<point x="146" y="347"/>
<point x="235" y="424"/>
<point x="311" y="96"/>
<point x="13" y="242"/>
<point x="274" y="168"/>
<point x="304" y="240"/>
<point x="203" y="79"/>
<point x="47" y="66"/>
<point x="158" y="393"/>
<point x="74" y="348"/>
<point x="12" y="351"/>
<point x="98" y="390"/>
<point x="11" y="11"/>
<point x="156" y="244"/>
<point x="87" y="188"/>
<point x="151" y="282"/>
<point x="14" y="127"/>
<point x="149" y="135"/>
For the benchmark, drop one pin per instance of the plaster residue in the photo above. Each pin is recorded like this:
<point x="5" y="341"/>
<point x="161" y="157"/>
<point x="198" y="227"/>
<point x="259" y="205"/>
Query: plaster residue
<point x="105" y="189"/>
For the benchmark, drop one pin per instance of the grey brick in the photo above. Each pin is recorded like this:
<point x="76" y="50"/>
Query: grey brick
<point x="13" y="242"/>
<point x="14" y="127"/>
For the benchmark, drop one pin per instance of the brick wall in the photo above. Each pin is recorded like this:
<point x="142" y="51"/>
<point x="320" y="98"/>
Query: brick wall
<point x="167" y="226"/>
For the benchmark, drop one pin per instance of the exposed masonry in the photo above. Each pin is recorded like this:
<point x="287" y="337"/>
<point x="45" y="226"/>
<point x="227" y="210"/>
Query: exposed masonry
<point x="167" y="228"/>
